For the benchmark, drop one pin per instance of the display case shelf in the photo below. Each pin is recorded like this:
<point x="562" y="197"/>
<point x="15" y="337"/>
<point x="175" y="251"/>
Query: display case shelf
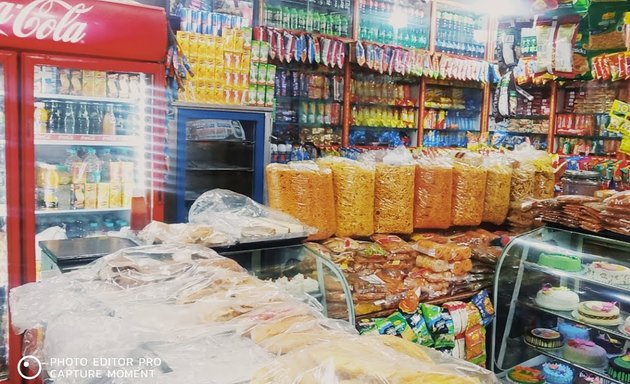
<point x="63" y="139"/>
<point x="78" y="211"/>
<point x="588" y="137"/>
<point x="383" y="128"/>
<point x="382" y="104"/>
<point x="520" y="133"/>
<point x="96" y="99"/>
<point x="557" y="355"/>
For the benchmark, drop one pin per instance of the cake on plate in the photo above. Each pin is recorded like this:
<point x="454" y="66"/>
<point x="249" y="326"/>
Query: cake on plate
<point x="619" y="368"/>
<point x="611" y="344"/>
<point x="557" y="298"/>
<point x="570" y="330"/>
<point x="613" y="274"/>
<point x="587" y="378"/>
<point x="569" y="263"/>
<point x="556" y="373"/>
<point x="598" y="313"/>
<point x="525" y="375"/>
<point x="584" y="352"/>
<point x="543" y="338"/>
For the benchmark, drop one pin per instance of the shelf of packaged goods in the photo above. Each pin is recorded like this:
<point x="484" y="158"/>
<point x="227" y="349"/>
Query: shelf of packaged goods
<point x="382" y="128"/>
<point x="380" y="104"/>
<point x="79" y="211"/>
<point x="217" y="141"/>
<point x="454" y="83"/>
<point x="219" y="169"/>
<point x="386" y="17"/>
<point x="92" y="140"/>
<point x="94" y="99"/>
<point x="449" y="108"/>
<point x="582" y="113"/>
<point x="567" y="316"/>
<point x="528" y="117"/>
<point x="309" y="125"/>
<point x="574" y="275"/>
<point x="556" y="354"/>
<point x="309" y="6"/>
<point x="280" y="99"/>
<point x="393" y="44"/>
<point x="601" y="156"/>
<point x="451" y="130"/>
<point x="520" y="133"/>
<point x="588" y="137"/>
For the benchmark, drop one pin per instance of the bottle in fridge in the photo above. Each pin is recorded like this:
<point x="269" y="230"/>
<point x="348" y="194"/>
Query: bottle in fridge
<point x="109" y="121"/>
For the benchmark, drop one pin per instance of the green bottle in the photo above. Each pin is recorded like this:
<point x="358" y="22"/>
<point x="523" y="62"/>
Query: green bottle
<point x="286" y="16"/>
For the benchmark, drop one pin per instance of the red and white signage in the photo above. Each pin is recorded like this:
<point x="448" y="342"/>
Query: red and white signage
<point x="84" y="27"/>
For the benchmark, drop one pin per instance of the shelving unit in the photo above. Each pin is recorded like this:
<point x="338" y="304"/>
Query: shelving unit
<point x="79" y="211"/>
<point x="520" y="277"/>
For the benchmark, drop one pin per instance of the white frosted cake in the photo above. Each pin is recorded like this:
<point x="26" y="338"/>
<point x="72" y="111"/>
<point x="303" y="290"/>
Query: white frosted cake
<point x="613" y="274"/>
<point x="557" y="298"/>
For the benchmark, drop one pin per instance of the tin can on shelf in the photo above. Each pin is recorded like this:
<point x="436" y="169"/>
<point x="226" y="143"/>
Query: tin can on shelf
<point x="584" y="183"/>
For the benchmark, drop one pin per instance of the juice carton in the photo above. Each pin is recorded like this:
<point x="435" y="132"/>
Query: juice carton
<point x="271" y="74"/>
<point x="127" y="194"/>
<point x="193" y="46"/>
<point x="102" y="196"/>
<point x="255" y="55"/>
<point x="264" y="51"/>
<point x="183" y="38"/>
<point x="64" y="81"/>
<point x="252" y="95"/>
<point x="269" y="99"/>
<point x="260" y="95"/>
<point x="114" y="170"/>
<point x="127" y="171"/>
<point x="78" y="196"/>
<point x="253" y="73"/>
<point x="100" y="84"/>
<point x="88" y="83"/>
<point x="112" y="85"/>
<point x="64" y="192"/>
<point x="123" y="85"/>
<point x="247" y="38"/>
<point x="76" y="82"/>
<point x="90" y="195"/>
<point x="115" y="194"/>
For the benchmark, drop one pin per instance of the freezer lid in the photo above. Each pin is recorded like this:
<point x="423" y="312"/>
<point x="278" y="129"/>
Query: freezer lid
<point x="85" y="27"/>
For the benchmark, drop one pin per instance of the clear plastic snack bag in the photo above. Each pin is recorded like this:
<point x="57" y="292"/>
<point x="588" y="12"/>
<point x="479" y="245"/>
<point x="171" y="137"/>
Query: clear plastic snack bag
<point x="305" y="191"/>
<point x="393" y="193"/>
<point x="433" y="193"/>
<point x="497" y="196"/>
<point x="469" y="188"/>
<point x="353" y="184"/>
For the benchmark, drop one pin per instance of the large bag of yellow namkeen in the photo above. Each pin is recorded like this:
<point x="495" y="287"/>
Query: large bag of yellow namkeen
<point x="305" y="191"/>
<point x="544" y="176"/>
<point x="353" y="185"/>
<point x="496" y="203"/>
<point x="393" y="193"/>
<point x="469" y="188"/>
<point x="432" y="193"/>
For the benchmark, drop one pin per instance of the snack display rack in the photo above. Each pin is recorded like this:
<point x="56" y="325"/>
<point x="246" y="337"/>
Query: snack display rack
<point x="524" y="273"/>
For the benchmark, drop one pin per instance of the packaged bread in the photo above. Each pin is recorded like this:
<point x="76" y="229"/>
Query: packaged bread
<point x="496" y="203"/>
<point x="432" y="194"/>
<point x="393" y="198"/>
<point x="353" y="186"/>
<point x="469" y="187"/>
<point x="447" y="252"/>
<point x="305" y="191"/>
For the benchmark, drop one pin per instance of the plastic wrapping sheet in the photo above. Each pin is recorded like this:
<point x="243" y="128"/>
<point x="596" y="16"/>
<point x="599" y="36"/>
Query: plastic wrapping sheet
<point x="239" y="218"/>
<point x="497" y="197"/>
<point x="157" y="232"/>
<point x="204" y="317"/>
<point x="305" y="191"/>
<point x="354" y="196"/>
<point x="469" y="187"/>
<point x="433" y="194"/>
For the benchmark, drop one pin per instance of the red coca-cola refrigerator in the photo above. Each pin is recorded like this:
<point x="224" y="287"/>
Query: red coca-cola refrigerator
<point x="81" y="130"/>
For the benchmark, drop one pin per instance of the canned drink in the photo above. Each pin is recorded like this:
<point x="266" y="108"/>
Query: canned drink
<point x="205" y="22"/>
<point x="215" y="24"/>
<point x="195" y="25"/>
<point x="185" y="19"/>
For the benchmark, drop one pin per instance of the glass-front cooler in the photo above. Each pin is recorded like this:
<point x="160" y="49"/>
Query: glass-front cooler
<point x="94" y="148"/>
<point x="216" y="148"/>
<point x="562" y="303"/>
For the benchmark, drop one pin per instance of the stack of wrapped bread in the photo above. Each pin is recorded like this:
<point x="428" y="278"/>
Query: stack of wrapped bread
<point x="202" y="315"/>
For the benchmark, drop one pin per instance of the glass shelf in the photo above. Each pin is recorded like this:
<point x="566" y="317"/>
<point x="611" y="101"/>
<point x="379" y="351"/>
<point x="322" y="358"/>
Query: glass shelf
<point x="96" y="99"/>
<point x="79" y="211"/>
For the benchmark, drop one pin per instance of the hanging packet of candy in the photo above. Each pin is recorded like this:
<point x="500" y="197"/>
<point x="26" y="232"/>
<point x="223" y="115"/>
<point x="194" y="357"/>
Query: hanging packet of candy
<point x="318" y="50"/>
<point x="310" y="49"/>
<point x="325" y="51"/>
<point x="342" y="55"/>
<point x="360" y="53"/>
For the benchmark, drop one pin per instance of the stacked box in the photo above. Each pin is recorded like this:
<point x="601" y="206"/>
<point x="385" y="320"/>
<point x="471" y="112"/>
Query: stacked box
<point x="262" y="76"/>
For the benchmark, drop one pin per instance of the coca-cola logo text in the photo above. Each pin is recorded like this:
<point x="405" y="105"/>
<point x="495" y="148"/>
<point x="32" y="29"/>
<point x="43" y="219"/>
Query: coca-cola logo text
<point x="44" y="19"/>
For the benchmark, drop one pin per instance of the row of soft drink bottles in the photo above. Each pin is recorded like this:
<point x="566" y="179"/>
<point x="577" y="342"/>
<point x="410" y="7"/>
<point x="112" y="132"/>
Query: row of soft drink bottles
<point x="409" y="37"/>
<point x="385" y="8"/>
<point x="64" y="81"/>
<point x="445" y="139"/>
<point x="209" y="23"/>
<point x="69" y="117"/>
<point x="380" y="87"/>
<point x="283" y="153"/>
<point x="307" y="20"/>
<point x="84" y="226"/>
<point x="87" y="181"/>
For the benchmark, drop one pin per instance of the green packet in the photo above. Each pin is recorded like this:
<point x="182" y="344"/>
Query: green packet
<point x="419" y="327"/>
<point x="440" y="326"/>
<point x="368" y="326"/>
<point x="395" y="324"/>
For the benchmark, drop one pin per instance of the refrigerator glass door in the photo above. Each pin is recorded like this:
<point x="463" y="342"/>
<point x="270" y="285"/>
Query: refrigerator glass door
<point x="92" y="137"/>
<point x="218" y="150"/>
<point x="4" y="273"/>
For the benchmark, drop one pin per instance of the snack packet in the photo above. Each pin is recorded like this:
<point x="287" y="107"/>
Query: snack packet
<point x="440" y="326"/>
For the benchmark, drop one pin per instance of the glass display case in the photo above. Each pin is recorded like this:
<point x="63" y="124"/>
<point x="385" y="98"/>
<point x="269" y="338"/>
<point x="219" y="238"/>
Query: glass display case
<point x="559" y="297"/>
<point x="404" y="23"/>
<point x="460" y="32"/>
<point x="329" y="17"/>
<point x="301" y="271"/>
